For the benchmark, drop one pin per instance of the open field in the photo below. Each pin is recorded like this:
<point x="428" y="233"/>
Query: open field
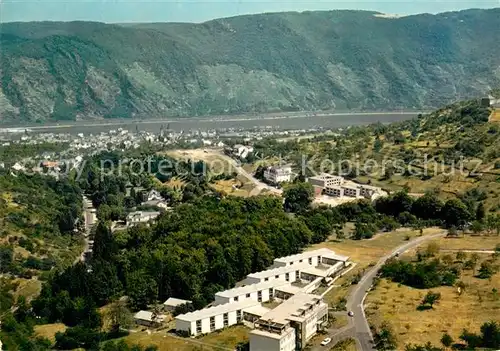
<point x="364" y="253"/>
<point x="469" y="242"/>
<point x="495" y="115"/>
<point x="29" y="288"/>
<point x="397" y="304"/>
<point x="225" y="339"/>
<point x="216" y="162"/>
<point x="49" y="330"/>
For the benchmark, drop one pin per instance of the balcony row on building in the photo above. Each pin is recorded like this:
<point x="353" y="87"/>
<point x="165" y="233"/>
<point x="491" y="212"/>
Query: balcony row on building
<point x="287" y="280"/>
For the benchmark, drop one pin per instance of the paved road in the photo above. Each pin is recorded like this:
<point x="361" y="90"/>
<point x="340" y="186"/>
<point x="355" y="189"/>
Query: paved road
<point x="358" y="327"/>
<point x="89" y="223"/>
<point x="259" y="186"/>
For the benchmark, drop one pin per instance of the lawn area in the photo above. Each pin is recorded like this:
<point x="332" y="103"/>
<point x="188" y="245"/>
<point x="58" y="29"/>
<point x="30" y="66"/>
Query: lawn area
<point x="49" y="330"/>
<point x="225" y="339"/>
<point x="469" y="242"/>
<point x="233" y="187"/>
<point x="364" y="253"/>
<point x="495" y="115"/>
<point x="397" y="304"/>
<point x="29" y="288"/>
<point x="345" y="345"/>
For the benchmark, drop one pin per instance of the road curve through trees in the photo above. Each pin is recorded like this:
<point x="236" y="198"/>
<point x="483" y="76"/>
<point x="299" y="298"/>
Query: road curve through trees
<point x="358" y="327"/>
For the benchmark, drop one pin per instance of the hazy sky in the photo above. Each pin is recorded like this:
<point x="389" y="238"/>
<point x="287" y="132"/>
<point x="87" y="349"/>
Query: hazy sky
<point x="198" y="11"/>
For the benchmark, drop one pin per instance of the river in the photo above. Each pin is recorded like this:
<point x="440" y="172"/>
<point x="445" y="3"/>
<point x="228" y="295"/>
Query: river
<point x="295" y="122"/>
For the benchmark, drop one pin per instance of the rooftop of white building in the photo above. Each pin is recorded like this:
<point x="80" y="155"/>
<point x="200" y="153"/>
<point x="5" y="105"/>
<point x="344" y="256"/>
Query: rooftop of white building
<point x="257" y="310"/>
<point x="324" y="252"/>
<point x="172" y="301"/>
<point x="324" y="176"/>
<point x="293" y="307"/>
<point x="250" y="288"/>
<point x="277" y="271"/>
<point x="217" y="310"/>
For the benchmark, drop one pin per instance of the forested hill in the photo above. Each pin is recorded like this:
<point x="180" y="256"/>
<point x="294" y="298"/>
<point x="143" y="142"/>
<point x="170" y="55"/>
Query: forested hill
<point x="267" y="62"/>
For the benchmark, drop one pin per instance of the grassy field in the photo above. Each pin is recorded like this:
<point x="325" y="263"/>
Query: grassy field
<point x="49" y="330"/>
<point x="495" y="116"/>
<point x="225" y="339"/>
<point x="345" y="345"/>
<point x="469" y="242"/>
<point x="364" y="253"/>
<point x="397" y="304"/>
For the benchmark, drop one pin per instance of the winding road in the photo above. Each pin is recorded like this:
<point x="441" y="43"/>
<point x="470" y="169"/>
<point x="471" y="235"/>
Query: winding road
<point x="358" y="327"/>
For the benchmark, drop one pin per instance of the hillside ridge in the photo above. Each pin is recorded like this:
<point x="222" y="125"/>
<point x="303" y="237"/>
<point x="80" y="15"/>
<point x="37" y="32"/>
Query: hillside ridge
<point x="315" y="60"/>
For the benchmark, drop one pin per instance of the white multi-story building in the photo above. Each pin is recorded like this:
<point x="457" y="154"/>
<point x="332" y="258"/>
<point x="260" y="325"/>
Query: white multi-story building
<point x="260" y="292"/>
<point x="313" y="257"/>
<point x="141" y="217"/>
<point x="278" y="175"/>
<point x="325" y="180"/>
<point x="213" y="318"/>
<point x="304" y="313"/>
<point x="262" y="340"/>
<point x="286" y="274"/>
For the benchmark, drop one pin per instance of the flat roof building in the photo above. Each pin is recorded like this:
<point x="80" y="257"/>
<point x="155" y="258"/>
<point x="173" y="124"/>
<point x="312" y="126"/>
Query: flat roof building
<point x="261" y="292"/>
<point x="325" y="180"/>
<point x="213" y="318"/>
<point x="172" y="303"/>
<point x="289" y="273"/>
<point x="305" y="313"/>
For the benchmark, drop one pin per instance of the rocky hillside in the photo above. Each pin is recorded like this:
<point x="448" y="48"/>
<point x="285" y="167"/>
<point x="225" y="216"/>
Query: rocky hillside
<point x="269" y="62"/>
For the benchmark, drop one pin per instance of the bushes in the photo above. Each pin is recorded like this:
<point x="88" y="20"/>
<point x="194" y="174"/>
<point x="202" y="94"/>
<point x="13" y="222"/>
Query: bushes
<point x="422" y="275"/>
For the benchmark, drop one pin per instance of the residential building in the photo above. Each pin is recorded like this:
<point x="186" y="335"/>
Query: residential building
<point x="335" y="191"/>
<point x="260" y="292"/>
<point x="148" y="319"/>
<point x="213" y="318"/>
<point x="325" y="180"/>
<point x="351" y="190"/>
<point x="304" y="313"/>
<point x="276" y="175"/>
<point x="172" y="303"/>
<point x="287" y="274"/>
<point x="136" y="217"/>
<point x="313" y="257"/>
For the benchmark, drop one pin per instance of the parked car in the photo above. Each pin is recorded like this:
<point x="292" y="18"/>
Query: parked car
<point x="350" y="314"/>
<point x="326" y="341"/>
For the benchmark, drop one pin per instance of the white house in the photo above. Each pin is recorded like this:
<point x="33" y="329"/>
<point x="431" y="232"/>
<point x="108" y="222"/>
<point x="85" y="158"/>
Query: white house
<point x="242" y="151"/>
<point x="172" y="303"/>
<point x="213" y="318"/>
<point x="276" y="175"/>
<point x="154" y="195"/>
<point x="136" y="217"/>
<point x="148" y="319"/>
<point x="260" y="292"/>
